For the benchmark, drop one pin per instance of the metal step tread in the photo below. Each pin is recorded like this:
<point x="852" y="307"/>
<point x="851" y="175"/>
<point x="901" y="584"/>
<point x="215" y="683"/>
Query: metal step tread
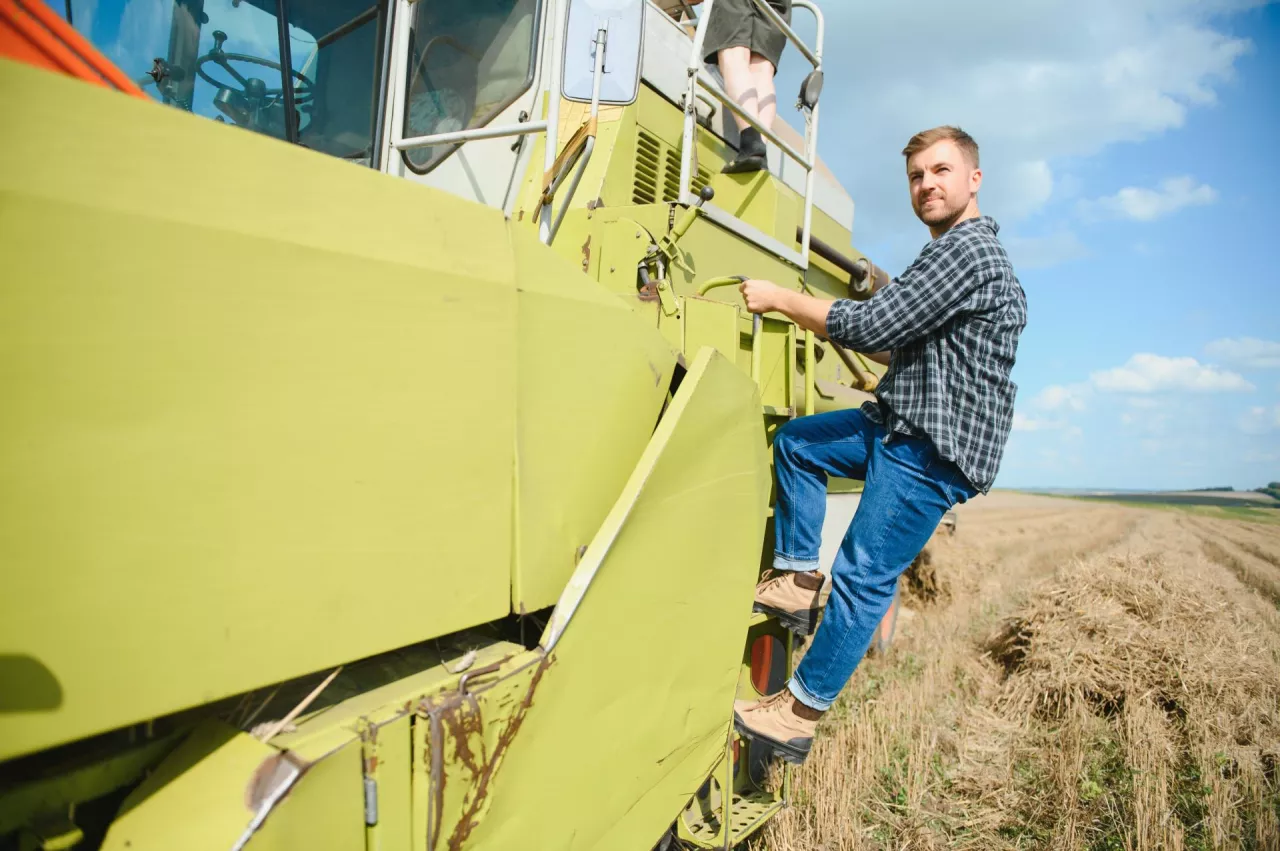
<point x="749" y="813"/>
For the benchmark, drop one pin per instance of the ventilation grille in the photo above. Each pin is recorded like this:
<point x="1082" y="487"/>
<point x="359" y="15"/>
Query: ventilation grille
<point x="658" y="165"/>
<point x="648" y="164"/>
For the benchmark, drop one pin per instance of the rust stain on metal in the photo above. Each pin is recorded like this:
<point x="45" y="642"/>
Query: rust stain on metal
<point x="586" y="253"/>
<point x="469" y="820"/>
<point x="269" y="775"/>
<point x="462" y="726"/>
<point x="449" y="710"/>
<point x="370" y="736"/>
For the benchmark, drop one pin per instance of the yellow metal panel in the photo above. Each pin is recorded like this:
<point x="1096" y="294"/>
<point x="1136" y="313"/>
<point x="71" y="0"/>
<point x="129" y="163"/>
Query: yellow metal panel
<point x="324" y="811"/>
<point x="198" y="798"/>
<point x="232" y="372"/>
<point x="776" y="338"/>
<point x="394" y="773"/>
<point x="615" y="125"/>
<point x="711" y="323"/>
<point x="592" y="378"/>
<point x="630" y="715"/>
<point x="719" y="253"/>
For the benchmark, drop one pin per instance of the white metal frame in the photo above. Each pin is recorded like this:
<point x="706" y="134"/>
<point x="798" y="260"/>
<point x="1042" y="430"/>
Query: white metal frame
<point x="397" y="94"/>
<point x="557" y="16"/>
<point x="700" y="81"/>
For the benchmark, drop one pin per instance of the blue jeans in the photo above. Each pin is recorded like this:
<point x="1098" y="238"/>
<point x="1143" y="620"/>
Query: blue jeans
<point x="908" y="489"/>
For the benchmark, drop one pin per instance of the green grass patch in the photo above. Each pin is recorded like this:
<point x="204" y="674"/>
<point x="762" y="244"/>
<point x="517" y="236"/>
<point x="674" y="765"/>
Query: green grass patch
<point x="1248" y="513"/>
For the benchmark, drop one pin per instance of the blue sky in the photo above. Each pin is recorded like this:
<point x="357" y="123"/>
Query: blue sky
<point x="1125" y="148"/>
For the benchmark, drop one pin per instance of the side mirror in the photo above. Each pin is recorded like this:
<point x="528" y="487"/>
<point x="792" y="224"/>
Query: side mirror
<point x="622" y="23"/>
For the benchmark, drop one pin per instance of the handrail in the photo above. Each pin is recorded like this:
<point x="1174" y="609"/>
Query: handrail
<point x="688" y="135"/>
<point x="589" y="128"/>
<point x="811" y="147"/>
<point x="820" y="36"/>
<point x="779" y="22"/>
<point x="709" y="85"/>
<point x="699" y="78"/>
<point x="550" y="153"/>
<point x="491" y="132"/>
<point x="757" y="345"/>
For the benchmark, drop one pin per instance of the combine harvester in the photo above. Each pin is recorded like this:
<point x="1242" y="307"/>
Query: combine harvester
<point x="395" y="475"/>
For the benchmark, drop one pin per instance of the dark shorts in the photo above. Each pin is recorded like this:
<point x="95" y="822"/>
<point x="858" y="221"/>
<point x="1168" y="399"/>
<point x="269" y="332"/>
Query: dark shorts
<point x="738" y="23"/>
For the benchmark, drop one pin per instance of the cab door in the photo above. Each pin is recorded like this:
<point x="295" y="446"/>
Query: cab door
<point x="460" y="65"/>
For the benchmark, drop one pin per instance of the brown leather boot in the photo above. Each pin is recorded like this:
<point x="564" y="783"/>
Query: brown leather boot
<point x="791" y="596"/>
<point x="779" y="720"/>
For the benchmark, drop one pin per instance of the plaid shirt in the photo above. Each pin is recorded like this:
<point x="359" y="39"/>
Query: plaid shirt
<point x="952" y="321"/>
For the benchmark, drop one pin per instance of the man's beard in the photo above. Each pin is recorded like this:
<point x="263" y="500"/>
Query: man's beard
<point x="941" y="215"/>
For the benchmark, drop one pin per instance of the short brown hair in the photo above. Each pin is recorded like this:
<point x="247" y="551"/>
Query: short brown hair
<point x="926" y="138"/>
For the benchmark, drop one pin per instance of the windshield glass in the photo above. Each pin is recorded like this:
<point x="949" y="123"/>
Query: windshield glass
<point x="467" y="62"/>
<point x="221" y="59"/>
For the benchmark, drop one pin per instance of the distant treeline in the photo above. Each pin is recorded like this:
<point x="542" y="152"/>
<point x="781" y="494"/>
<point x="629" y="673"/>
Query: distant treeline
<point x="1272" y="490"/>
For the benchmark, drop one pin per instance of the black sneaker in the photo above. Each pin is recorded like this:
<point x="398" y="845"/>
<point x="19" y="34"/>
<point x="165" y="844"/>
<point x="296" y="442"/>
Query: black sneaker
<point x="751" y="154"/>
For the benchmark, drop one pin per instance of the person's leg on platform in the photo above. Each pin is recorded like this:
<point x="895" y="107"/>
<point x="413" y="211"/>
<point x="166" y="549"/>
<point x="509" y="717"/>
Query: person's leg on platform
<point x="908" y="489"/>
<point x="762" y="74"/>
<point x="739" y="84"/>
<point x="805" y="452"/>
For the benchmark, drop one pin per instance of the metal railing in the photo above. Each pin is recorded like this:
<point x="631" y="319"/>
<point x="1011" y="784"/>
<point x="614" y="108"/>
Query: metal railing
<point x="701" y="82"/>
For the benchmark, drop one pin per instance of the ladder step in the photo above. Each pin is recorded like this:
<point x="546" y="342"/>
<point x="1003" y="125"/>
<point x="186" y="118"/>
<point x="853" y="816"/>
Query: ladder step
<point x="749" y="813"/>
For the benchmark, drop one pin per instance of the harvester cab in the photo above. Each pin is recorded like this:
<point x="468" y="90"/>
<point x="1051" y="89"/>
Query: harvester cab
<point x="436" y="523"/>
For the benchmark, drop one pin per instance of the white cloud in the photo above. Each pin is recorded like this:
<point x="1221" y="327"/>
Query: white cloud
<point x="1148" y="373"/>
<point x="1260" y="420"/>
<point x="1246" y="352"/>
<point x="1039" y="252"/>
<point x="1022" y="422"/>
<point x="1059" y="397"/>
<point x="1142" y="403"/>
<point x="1147" y="205"/>
<point x="1146" y="422"/>
<point x="1034" y="83"/>
<point x="1020" y="190"/>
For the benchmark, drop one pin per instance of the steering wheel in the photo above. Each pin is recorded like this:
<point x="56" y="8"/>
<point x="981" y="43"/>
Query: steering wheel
<point x="251" y="87"/>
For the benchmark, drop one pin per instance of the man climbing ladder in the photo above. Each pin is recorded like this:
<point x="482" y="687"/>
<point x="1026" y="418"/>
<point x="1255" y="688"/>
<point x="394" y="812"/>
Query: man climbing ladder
<point x="934" y="438"/>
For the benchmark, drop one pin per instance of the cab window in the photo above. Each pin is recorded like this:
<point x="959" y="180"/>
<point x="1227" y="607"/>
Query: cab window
<point x="221" y="59"/>
<point x="467" y="63"/>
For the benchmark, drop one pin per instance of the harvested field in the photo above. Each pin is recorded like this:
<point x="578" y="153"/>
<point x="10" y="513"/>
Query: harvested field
<point x="1069" y="675"/>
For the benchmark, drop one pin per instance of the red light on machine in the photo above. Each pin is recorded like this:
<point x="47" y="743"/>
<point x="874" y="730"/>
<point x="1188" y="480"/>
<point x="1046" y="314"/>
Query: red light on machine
<point x="762" y="650"/>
